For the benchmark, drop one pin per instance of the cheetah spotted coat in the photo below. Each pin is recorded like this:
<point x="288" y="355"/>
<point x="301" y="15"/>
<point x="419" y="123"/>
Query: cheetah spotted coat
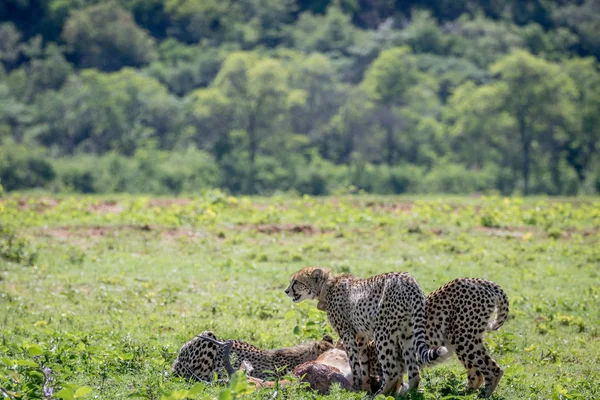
<point x="458" y="314"/>
<point x="389" y="308"/>
<point x="202" y="357"/>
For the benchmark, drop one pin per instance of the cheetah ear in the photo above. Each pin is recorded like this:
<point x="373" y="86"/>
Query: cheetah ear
<point x="328" y="338"/>
<point x="317" y="274"/>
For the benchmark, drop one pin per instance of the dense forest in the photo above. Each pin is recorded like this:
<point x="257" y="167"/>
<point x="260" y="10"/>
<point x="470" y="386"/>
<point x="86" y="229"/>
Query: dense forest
<point x="311" y="96"/>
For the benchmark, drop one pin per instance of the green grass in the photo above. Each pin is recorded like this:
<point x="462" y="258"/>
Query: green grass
<point x="104" y="291"/>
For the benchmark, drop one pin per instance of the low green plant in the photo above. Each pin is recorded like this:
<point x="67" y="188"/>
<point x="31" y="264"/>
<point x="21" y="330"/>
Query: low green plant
<point x="121" y="282"/>
<point x="16" y="248"/>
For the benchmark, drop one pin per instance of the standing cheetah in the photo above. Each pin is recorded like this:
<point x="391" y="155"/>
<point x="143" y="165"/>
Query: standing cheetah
<point x="389" y="308"/>
<point x="203" y="356"/>
<point x="458" y="314"/>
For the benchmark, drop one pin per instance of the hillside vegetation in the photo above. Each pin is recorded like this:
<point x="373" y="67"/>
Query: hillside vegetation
<point x="311" y="96"/>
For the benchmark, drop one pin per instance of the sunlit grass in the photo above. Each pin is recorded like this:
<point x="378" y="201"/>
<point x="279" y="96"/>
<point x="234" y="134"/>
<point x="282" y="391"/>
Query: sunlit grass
<point x="118" y="284"/>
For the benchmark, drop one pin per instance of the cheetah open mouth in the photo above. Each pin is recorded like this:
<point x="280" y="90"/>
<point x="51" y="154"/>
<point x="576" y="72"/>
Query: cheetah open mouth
<point x="296" y="298"/>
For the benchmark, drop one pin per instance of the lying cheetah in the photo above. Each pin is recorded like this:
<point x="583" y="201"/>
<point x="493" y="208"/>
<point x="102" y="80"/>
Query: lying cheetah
<point x="458" y="314"/>
<point x="389" y="308"/>
<point x="202" y="357"/>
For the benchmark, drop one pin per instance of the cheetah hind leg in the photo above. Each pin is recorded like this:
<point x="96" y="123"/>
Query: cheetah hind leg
<point x="491" y="372"/>
<point x="391" y="374"/>
<point x="491" y="385"/>
<point x="401" y="387"/>
<point x="475" y="379"/>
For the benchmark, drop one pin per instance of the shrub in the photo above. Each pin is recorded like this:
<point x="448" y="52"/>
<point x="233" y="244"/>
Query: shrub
<point x="150" y="171"/>
<point x="16" y="248"/>
<point x="454" y="178"/>
<point x="404" y="178"/>
<point x="320" y="177"/>
<point x="24" y="167"/>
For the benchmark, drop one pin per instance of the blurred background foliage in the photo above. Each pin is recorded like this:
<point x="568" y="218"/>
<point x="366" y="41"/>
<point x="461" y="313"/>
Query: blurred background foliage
<point x="312" y="96"/>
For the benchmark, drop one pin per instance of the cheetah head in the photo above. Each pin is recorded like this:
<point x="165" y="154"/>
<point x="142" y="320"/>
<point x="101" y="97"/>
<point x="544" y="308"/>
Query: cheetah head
<point x="306" y="284"/>
<point x="320" y="346"/>
<point x="324" y="345"/>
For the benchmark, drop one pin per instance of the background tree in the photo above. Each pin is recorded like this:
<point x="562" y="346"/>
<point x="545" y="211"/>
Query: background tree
<point x="105" y="36"/>
<point x="99" y="112"/>
<point x="536" y="96"/>
<point x="210" y="117"/>
<point x="259" y="92"/>
<point x="584" y="141"/>
<point x="316" y="78"/>
<point x="10" y="44"/>
<point x="392" y="82"/>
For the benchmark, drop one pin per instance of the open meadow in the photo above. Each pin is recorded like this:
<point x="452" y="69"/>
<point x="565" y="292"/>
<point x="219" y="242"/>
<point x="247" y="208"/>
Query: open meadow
<point x="97" y="294"/>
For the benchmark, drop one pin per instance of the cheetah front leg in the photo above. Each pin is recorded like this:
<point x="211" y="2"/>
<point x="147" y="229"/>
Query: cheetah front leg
<point x="410" y="360"/>
<point x="349" y="339"/>
<point x="362" y="342"/>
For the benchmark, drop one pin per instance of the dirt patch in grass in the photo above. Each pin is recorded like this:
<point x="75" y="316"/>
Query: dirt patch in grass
<point x="568" y="232"/>
<point x="97" y="231"/>
<point x="38" y="204"/>
<point x="165" y="202"/>
<point x="101" y="206"/>
<point x="388" y="206"/>
<point x="510" y="232"/>
<point x="67" y="232"/>
<point x="106" y="207"/>
<point x="527" y="232"/>
<point x="306" y="229"/>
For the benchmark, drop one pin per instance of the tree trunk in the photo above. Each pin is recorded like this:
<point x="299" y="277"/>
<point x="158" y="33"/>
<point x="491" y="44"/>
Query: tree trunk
<point x="526" y="147"/>
<point x="386" y="119"/>
<point x="252" y="150"/>
<point x="252" y="139"/>
<point x="390" y="144"/>
<point x="555" y="171"/>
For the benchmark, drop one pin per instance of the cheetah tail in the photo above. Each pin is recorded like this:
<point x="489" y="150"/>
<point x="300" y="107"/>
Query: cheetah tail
<point x="426" y="355"/>
<point x="501" y="309"/>
<point x="434" y="355"/>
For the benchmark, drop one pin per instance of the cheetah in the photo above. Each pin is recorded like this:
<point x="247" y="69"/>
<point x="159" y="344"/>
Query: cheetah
<point x="203" y="356"/>
<point x="389" y="308"/>
<point x="458" y="314"/>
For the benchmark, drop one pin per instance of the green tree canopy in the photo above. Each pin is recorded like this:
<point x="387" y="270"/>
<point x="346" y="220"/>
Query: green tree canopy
<point x="105" y="36"/>
<point x="529" y="108"/>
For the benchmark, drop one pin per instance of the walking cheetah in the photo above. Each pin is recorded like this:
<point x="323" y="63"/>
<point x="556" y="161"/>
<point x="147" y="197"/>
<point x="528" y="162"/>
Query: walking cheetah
<point x="203" y="356"/>
<point x="458" y="314"/>
<point x="389" y="308"/>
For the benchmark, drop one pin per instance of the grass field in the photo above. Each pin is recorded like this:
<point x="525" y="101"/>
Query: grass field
<point x="103" y="291"/>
